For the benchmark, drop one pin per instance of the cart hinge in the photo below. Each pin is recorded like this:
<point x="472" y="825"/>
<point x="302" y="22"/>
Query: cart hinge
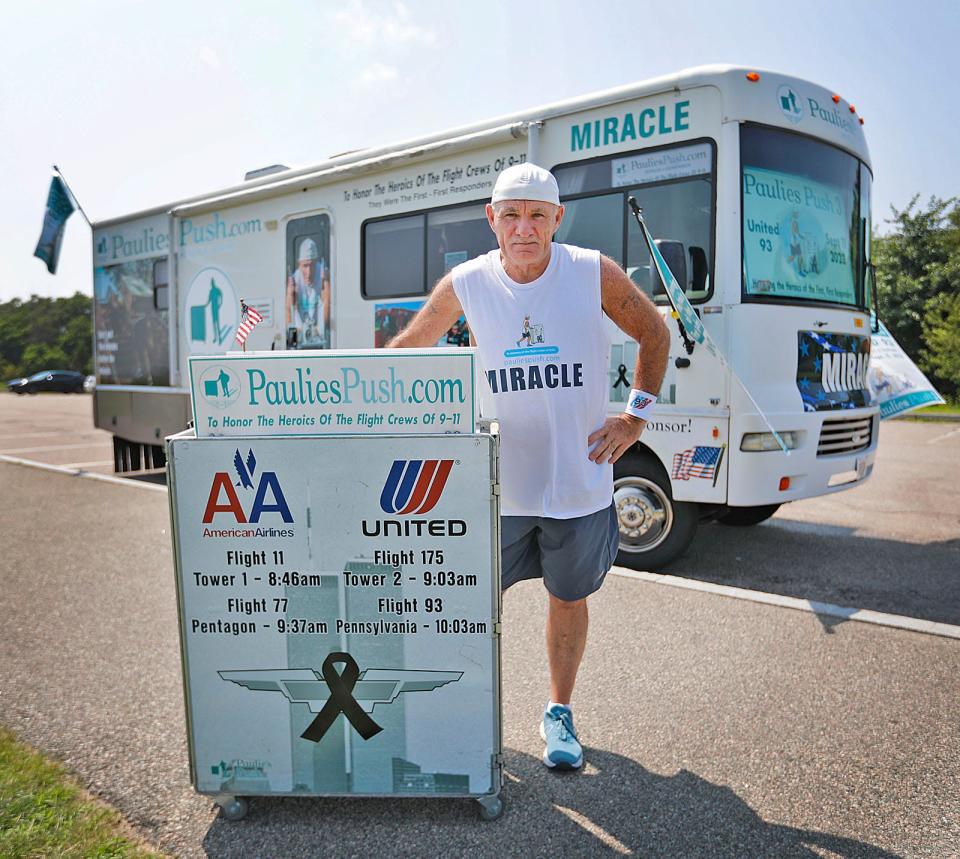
<point x="496" y="760"/>
<point x="497" y="626"/>
<point x="494" y="488"/>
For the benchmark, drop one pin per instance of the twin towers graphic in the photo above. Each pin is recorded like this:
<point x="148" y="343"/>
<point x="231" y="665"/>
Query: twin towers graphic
<point x="413" y="486"/>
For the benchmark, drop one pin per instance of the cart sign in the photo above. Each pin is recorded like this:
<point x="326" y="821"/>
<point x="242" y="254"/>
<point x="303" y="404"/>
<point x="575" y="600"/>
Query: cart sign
<point x="339" y="608"/>
<point x="338" y="392"/>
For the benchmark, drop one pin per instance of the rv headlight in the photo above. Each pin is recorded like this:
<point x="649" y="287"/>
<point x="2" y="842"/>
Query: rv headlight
<point x="766" y="441"/>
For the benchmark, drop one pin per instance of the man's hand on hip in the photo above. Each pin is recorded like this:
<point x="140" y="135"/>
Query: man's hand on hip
<point x="615" y="438"/>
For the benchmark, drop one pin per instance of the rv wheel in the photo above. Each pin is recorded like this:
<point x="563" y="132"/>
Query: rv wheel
<point x="654" y="529"/>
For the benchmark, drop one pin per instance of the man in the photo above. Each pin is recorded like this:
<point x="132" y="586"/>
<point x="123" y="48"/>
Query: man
<point x="308" y="297"/>
<point x="550" y="397"/>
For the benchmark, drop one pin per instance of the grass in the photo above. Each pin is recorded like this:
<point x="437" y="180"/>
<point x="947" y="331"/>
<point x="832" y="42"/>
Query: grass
<point x="947" y="408"/>
<point x="44" y="813"/>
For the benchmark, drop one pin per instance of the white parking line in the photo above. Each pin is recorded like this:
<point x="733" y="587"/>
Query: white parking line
<point x="74" y="472"/>
<point x="942" y="437"/>
<point x="45" y="434"/>
<point x="879" y="618"/>
<point x="93" y="464"/>
<point x="41" y="449"/>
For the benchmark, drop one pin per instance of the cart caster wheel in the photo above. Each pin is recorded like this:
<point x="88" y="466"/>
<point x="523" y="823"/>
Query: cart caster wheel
<point x="491" y="807"/>
<point x="235" y="809"/>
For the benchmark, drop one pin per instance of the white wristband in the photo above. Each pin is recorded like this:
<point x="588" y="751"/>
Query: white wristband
<point x="640" y="404"/>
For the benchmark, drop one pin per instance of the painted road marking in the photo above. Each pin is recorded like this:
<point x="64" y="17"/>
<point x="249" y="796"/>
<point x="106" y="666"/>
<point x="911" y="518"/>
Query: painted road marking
<point x="75" y="472"/>
<point x="878" y="618"/>
<point x="43" y="449"/>
<point x="20" y="436"/>
<point x="942" y="437"/>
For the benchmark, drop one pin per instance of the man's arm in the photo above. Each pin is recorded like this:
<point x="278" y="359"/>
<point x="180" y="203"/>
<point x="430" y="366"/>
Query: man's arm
<point x="637" y="316"/>
<point x="433" y="320"/>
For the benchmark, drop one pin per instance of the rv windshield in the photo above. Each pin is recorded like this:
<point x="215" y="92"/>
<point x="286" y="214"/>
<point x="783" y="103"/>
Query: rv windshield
<point x="801" y="201"/>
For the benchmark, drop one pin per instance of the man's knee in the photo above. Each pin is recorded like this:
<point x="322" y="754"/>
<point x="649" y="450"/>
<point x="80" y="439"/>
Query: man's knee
<point x="557" y="604"/>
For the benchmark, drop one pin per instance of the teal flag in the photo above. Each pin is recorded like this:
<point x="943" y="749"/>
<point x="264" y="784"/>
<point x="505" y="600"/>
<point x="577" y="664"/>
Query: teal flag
<point x="59" y="208"/>
<point x="688" y="316"/>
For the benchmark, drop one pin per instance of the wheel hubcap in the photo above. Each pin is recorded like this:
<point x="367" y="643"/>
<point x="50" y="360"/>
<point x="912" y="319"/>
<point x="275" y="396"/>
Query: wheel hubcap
<point x="644" y="512"/>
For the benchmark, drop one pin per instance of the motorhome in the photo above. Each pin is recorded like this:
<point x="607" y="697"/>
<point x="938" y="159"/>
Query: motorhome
<point x="755" y="185"/>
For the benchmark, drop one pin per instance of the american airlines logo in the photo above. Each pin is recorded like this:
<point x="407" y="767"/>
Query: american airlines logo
<point x="414" y="485"/>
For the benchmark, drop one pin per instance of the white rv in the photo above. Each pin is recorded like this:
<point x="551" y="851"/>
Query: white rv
<point x="756" y="186"/>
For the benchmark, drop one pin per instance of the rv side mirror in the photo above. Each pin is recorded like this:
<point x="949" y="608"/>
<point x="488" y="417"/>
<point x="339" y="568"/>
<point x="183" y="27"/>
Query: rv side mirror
<point x="676" y="257"/>
<point x="870" y="284"/>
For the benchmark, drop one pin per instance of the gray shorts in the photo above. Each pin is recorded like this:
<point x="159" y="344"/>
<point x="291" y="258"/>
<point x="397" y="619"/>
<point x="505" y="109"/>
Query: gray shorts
<point x="571" y="555"/>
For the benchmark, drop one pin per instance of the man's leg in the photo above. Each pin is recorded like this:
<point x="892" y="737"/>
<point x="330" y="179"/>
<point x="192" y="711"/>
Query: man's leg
<point x="566" y="638"/>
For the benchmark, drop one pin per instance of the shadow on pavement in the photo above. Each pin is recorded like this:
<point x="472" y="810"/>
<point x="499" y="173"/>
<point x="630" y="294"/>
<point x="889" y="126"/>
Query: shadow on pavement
<point x="614" y="807"/>
<point x="829" y="564"/>
<point x="158" y="477"/>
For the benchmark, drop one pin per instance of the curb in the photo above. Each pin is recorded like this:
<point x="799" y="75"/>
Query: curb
<point x="935" y="418"/>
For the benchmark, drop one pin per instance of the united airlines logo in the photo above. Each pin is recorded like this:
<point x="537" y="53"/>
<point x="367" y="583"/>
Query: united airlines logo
<point x="414" y="485"/>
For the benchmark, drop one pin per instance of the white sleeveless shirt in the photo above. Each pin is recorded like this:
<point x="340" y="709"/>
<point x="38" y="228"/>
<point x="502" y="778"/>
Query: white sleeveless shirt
<point x="544" y="350"/>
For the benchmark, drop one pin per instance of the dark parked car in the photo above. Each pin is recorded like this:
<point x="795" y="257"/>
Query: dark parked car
<point x="64" y="381"/>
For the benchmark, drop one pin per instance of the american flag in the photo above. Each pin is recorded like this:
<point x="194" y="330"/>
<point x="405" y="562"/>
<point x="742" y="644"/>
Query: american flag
<point x="249" y="318"/>
<point x="698" y="462"/>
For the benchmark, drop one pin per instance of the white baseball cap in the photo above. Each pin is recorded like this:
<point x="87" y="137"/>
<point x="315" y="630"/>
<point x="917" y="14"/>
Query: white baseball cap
<point x="526" y="182"/>
<point x="308" y="251"/>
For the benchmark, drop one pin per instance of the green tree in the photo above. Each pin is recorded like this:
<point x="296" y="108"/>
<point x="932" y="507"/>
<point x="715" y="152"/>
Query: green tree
<point x="914" y="264"/>
<point x="45" y="333"/>
<point x="941" y="334"/>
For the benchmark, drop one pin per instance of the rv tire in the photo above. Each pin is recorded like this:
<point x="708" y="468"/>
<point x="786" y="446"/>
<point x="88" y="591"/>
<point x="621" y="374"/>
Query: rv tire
<point x="654" y="529"/>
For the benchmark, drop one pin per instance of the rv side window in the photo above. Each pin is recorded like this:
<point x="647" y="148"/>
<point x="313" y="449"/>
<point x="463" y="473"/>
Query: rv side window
<point x="675" y="187"/>
<point x="595" y="222"/>
<point x="307" y="292"/>
<point x="407" y="255"/>
<point x="393" y="257"/>
<point x="160" y="284"/>
<point x="454" y="236"/>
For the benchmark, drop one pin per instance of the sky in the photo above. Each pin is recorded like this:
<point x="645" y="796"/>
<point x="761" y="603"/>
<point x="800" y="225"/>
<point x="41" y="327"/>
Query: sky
<point x="140" y="104"/>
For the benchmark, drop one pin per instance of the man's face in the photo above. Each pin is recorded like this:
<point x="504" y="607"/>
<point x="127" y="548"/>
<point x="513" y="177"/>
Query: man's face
<point x="307" y="268"/>
<point x="524" y="229"/>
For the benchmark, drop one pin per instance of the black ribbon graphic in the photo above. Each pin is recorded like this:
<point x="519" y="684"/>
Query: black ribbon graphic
<point x="622" y="378"/>
<point x="341" y="700"/>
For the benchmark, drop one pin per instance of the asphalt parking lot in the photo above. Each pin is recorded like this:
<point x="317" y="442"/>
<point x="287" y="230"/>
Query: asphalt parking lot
<point x="713" y="726"/>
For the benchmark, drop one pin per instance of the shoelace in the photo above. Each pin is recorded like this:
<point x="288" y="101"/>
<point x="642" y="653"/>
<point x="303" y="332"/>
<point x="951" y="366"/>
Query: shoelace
<point x="565" y="726"/>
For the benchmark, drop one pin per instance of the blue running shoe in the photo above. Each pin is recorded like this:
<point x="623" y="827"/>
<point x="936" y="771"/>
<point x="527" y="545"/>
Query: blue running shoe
<point x="563" y="750"/>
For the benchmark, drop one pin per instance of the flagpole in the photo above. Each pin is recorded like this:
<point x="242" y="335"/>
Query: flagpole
<point x="72" y="195"/>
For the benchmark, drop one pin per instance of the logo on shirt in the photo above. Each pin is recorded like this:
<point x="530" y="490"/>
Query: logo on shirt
<point x="531" y="342"/>
<point x="532" y="332"/>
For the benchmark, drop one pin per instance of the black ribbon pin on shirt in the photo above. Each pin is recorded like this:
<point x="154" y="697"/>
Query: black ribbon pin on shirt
<point x="622" y="378"/>
<point x="341" y="700"/>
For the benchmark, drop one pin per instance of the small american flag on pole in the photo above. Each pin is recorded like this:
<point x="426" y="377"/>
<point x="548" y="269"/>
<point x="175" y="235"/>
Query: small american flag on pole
<point x="249" y="319"/>
<point x="696" y="462"/>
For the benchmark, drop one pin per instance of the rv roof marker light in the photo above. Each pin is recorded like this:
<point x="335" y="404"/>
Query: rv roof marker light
<point x="753" y="77"/>
<point x="836" y="99"/>
<point x="861" y="120"/>
<point x="852" y="109"/>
